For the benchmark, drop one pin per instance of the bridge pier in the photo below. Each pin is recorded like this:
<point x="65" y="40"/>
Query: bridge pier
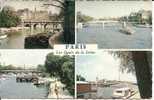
<point x="31" y="29"/>
<point x="42" y="27"/>
<point x="53" y="28"/>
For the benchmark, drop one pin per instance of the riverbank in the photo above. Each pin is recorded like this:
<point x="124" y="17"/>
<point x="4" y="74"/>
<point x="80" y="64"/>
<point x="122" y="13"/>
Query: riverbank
<point x="11" y="29"/>
<point x="62" y="93"/>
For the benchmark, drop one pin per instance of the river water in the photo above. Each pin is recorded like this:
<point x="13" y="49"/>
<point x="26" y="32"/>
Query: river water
<point x="110" y="37"/>
<point x="17" y="39"/>
<point x="107" y="92"/>
<point x="10" y="89"/>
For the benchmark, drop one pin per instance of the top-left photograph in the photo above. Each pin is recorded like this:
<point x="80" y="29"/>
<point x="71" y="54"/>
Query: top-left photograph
<point x="36" y="24"/>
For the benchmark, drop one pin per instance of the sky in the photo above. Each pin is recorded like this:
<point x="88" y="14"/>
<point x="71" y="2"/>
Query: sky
<point x="31" y="4"/>
<point x="19" y="58"/>
<point x="102" y="65"/>
<point x="111" y="8"/>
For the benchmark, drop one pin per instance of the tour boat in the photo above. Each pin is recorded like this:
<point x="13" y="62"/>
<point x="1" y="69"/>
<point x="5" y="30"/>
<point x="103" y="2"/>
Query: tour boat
<point x="122" y="93"/>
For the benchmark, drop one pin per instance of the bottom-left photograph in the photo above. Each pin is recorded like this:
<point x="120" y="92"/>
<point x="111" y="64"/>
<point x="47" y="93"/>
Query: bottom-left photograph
<point x="36" y="74"/>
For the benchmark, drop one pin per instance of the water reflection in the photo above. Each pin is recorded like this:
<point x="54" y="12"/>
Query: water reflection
<point x="9" y="88"/>
<point x="17" y="40"/>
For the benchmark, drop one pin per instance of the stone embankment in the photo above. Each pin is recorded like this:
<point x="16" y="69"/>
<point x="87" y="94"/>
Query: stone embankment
<point x="62" y="92"/>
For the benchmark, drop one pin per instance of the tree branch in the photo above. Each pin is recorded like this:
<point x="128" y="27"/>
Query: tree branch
<point x="59" y="1"/>
<point x="54" y="5"/>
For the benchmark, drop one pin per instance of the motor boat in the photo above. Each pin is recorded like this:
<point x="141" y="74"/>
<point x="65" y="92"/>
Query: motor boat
<point x="127" y="30"/>
<point x="122" y="93"/>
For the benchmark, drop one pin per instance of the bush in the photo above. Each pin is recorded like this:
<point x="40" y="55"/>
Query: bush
<point x="62" y="67"/>
<point x="9" y="18"/>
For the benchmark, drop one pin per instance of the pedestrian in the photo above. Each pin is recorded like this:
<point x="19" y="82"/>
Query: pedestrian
<point x="56" y="91"/>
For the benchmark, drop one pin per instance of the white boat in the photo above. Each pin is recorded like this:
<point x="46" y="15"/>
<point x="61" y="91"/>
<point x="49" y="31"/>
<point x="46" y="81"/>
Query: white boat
<point x="3" y="36"/>
<point x="127" y="30"/>
<point x="41" y="81"/>
<point x="80" y="25"/>
<point x="122" y="93"/>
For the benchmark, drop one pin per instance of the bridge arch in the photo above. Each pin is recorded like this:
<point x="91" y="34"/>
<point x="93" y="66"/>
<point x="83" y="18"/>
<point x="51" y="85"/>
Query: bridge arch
<point x="51" y="25"/>
<point x="27" y="25"/>
<point x="36" y="25"/>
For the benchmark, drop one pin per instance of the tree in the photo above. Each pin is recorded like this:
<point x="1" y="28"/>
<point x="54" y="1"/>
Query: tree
<point x="53" y="65"/>
<point x="61" y="67"/>
<point x="83" y="18"/>
<point x="9" y="67"/>
<point x="141" y="65"/>
<point x="9" y="18"/>
<point x="41" y="68"/>
<point x="68" y="11"/>
<point x="68" y="76"/>
<point x="80" y="78"/>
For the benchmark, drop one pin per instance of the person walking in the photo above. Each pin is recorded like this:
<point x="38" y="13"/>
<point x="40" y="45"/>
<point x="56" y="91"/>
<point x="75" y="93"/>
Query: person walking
<point x="56" y="90"/>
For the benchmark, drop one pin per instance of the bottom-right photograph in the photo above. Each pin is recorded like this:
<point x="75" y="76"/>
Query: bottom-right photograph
<point x="114" y="75"/>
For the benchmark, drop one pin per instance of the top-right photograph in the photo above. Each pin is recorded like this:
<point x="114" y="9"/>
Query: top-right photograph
<point x="114" y="24"/>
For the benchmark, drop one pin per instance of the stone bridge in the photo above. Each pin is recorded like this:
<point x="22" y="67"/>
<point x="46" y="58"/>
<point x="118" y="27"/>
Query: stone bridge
<point x="43" y="25"/>
<point x="103" y="22"/>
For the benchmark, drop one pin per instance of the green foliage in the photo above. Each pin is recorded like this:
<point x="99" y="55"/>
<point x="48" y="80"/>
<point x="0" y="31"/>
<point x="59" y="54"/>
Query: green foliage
<point x="9" y="67"/>
<point x="67" y="14"/>
<point x="80" y="78"/>
<point x="8" y="18"/>
<point x="69" y="21"/>
<point x="139" y="17"/>
<point x="68" y="75"/>
<point x="41" y="68"/>
<point x="61" y="67"/>
<point x="52" y="64"/>
<point x="126" y="62"/>
<point x="83" y="18"/>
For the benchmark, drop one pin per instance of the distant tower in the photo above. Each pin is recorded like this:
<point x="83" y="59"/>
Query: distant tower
<point x="97" y="82"/>
<point x="97" y="79"/>
<point x="35" y="12"/>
